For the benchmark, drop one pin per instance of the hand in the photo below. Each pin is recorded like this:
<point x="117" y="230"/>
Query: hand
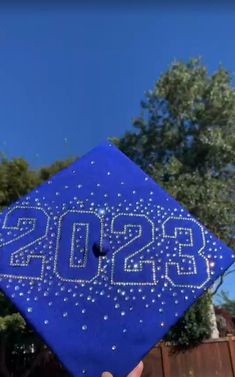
<point x="135" y="373"/>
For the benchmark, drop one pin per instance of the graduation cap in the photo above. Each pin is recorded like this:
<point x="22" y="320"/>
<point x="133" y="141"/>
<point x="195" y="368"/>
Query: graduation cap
<point x="101" y="261"/>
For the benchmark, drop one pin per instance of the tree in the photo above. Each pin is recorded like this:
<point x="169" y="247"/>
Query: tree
<point x="47" y="172"/>
<point x="193" y="327"/>
<point x="227" y="303"/>
<point x="185" y="139"/>
<point x="16" y="179"/>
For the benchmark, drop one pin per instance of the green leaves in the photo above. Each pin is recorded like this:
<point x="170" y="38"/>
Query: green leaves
<point x="188" y="114"/>
<point x="13" y="323"/>
<point x="16" y="179"/>
<point x="183" y="87"/>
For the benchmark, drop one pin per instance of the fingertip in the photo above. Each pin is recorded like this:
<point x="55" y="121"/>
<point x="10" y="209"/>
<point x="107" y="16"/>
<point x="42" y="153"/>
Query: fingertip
<point x="106" y="374"/>
<point x="140" y="367"/>
<point x="137" y="371"/>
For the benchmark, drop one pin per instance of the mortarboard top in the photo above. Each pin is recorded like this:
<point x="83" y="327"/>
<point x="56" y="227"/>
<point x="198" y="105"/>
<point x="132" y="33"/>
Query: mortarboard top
<point x="102" y="262"/>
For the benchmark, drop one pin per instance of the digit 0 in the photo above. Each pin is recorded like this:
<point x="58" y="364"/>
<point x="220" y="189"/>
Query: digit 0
<point x="68" y="267"/>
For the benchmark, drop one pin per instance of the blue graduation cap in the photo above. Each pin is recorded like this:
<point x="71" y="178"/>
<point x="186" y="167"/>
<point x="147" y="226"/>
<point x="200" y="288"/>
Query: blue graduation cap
<point x="102" y="262"/>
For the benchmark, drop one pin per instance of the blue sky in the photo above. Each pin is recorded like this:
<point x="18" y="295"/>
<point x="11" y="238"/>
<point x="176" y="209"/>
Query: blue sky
<point x="71" y="77"/>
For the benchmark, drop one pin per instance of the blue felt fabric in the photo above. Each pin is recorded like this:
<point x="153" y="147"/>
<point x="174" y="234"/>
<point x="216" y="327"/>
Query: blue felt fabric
<point x="102" y="262"/>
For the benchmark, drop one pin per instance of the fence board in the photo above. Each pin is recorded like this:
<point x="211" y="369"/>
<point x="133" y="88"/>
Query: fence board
<point x="153" y="365"/>
<point x="214" y="358"/>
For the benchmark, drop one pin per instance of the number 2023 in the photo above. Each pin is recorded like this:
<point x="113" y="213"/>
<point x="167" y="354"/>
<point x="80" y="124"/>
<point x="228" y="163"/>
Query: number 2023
<point x="123" y="272"/>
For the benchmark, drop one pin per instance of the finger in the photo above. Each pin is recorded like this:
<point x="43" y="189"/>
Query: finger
<point x="106" y="374"/>
<point x="137" y="371"/>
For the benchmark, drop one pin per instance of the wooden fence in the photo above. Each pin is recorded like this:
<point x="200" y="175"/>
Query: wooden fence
<point x="213" y="358"/>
